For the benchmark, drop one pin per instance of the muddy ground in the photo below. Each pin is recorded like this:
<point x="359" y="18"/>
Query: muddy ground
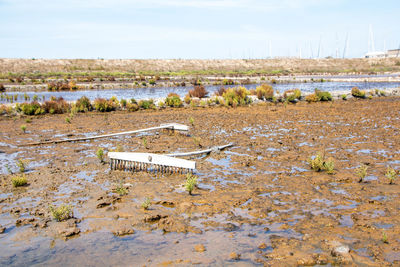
<point x="256" y="203"/>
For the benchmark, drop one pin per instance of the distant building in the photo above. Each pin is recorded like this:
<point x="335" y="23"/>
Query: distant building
<point x="393" y="53"/>
<point x="378" y="54"/>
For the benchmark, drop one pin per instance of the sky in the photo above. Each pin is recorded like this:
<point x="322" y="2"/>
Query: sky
<point x="196" y="29"/>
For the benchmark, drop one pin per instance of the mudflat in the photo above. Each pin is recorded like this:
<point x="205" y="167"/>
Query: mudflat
<point x="258" y="202"/>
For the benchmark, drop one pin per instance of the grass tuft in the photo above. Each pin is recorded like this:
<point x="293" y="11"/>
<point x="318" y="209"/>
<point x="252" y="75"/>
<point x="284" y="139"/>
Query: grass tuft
<point x="18" y="181"/>
<point x="191" y="182"/>
<point x="361" y="172"/>
<point x="61" y="213"/>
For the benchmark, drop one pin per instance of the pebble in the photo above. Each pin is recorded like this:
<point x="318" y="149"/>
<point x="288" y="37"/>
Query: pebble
<point x="199" y="248"/>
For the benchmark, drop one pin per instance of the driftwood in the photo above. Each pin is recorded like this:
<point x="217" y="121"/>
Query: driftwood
<point x="172" y="126"/>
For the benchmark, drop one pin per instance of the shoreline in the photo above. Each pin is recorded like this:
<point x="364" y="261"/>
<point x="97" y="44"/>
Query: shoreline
<point x="206" y="81"/>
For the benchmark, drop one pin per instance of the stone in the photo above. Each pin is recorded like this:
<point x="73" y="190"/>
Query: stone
<point x="199" y="248"/>
<point x="234" y="256"/>
<point x="68" y="232"/>
<point x="154" y="218"/>
<point x="125" y="231"/>
<point x="229" y="227"/>
<point x="2" y="229"/>
<point x="262" y="246"/>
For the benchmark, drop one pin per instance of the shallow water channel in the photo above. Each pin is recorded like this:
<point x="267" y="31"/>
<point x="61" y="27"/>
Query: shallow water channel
<point x="161" y="92"/>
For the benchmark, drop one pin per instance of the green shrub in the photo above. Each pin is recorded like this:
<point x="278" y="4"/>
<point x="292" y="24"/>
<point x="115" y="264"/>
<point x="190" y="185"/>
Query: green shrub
<point x="57" y="106"/>
<point x="191" y="182"/>
<point x="312" y="98"/>
<point x="191" y="121"/>
<point x="361" y="172"/>
<point x="23" y="128"/>
<point x="152" y="82"/>
<point x="357" y="92"/>
<point x="236" y="96"/>
<point x="62" y="213"/>
<point x="123" y="103"/>
<point x="292" y="95"/>
<point x="318" y="163"/>
<point x="121" y="190"/>
<point x="83" y="104"/>
<point x="391" y="174"/>
<point x="146" y="203"/>
<point x="33" y="108"/>
<point x="132" y="107"/>
<point x="147" y="104"/>
<point x="265" y="92"/>
<point x="100" y="154"/>
<point x="2" y="88"/>
<point x="228" y="82"/>
<point x="103" y="105"/>
<point x="173" y="100"/>
<point x="323" y="96"/>
<point x="344" y="97"/>
<point x="21" y="165"/>
<point x="19" y="181"/>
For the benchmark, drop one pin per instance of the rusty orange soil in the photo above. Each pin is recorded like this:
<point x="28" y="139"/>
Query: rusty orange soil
<point x="261" y="193"/>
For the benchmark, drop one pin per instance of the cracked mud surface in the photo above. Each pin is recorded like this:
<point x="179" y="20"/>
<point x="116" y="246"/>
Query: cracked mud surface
<point x="256" y="203"/>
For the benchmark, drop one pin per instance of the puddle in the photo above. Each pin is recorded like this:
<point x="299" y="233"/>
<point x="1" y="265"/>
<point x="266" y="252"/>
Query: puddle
<point x="323" y="201"/>
<point x="383" y="225"/>
<point x="339" y="191"/>
<point x="85" y="175"/>
<point x="379" y="198"/>
<point x="346" y="221"/>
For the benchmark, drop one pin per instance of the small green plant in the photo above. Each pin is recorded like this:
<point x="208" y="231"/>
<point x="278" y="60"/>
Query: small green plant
<point x="100" y="154"/>
<point x="146" y="203"/>
<point x="23" y="128"/>
<point x="67" y="119"/>
<point x="318" y="163"/>
<point x="191" y="182"/>
<point x="119" y="148"/>
<point x="191" y="121"/>
<point x="28" y="120"/>
<point x="144" y="141"/>
<point x="292" y="95"/>
<point x="361" y="172"/>
<point x="9" y="169"/>
<point x="357" y="92"/>
<point x="19" y="181"/>
<point x="61" y="213"/>
<point x="344" y="97"/>
<point x="385" y="238"/>
<point x="391" y="174"/>
<point x="121" y="190"/>
<point x="173" y="100"/>
<point x="329" y="166"/>
<point x="21" y="165"/>
<point x="197" y="141"/>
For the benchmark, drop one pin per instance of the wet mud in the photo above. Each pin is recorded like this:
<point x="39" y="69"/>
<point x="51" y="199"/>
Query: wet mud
<point x="257" y="203"/>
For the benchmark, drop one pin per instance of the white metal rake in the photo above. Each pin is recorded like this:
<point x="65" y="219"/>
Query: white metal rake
<point x="149" y="162"/>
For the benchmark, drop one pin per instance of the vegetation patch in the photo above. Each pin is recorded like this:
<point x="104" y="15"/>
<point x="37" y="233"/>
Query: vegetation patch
<point x="318" y="163"/>
<point x="355" y="92"/>
<point x="18" y="181"/>
<point x="62" y="212"/>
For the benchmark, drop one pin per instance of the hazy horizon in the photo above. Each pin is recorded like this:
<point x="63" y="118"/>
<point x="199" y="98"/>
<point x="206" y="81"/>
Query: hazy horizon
<point x="194" y="29"/>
